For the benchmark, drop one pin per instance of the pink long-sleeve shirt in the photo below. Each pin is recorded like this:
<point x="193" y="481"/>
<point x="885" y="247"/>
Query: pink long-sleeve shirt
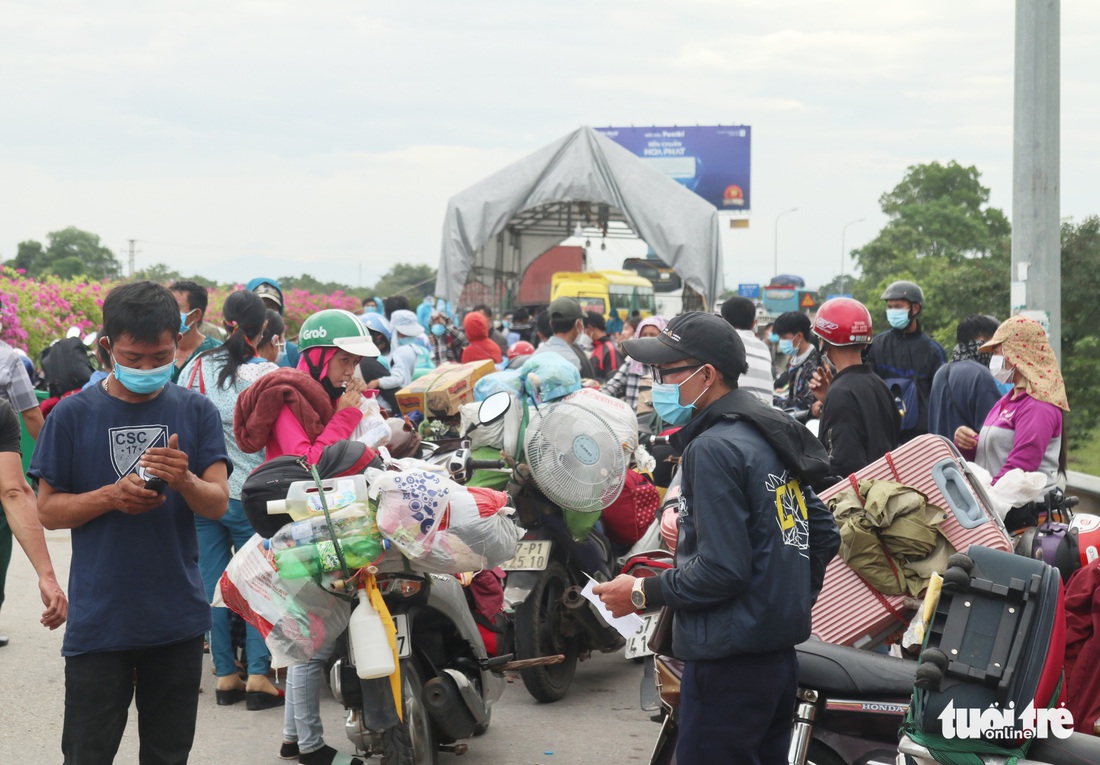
<point x="288" y="436"/>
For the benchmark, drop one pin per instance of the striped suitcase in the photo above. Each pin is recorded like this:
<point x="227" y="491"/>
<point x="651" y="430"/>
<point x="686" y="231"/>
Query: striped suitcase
<point x="848" y="610"/>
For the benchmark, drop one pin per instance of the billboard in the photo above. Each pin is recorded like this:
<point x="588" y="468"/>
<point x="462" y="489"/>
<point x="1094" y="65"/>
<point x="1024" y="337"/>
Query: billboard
<point x="713" y="161"/>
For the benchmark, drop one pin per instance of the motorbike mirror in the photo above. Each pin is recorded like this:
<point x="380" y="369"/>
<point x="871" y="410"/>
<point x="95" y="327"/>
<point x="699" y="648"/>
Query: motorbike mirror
<point x="494" y="407"/>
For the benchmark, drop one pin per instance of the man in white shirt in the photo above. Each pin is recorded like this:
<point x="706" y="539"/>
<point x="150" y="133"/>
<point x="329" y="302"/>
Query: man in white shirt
<point x="741" y="314"/>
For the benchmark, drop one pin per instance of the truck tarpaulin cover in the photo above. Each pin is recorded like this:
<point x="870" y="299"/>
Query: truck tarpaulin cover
<point x="584" y="166"/>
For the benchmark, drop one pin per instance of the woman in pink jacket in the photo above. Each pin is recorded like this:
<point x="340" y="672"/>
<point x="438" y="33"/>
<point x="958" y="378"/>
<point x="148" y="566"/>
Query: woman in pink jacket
<point x="287" y="412"/>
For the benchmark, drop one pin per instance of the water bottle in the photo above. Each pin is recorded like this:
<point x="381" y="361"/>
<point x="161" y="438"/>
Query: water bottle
<point x="305" y="561"/>
<point x="303" y="498"/>
<point x="370" y="647"/>
<point x="354" y="520"/>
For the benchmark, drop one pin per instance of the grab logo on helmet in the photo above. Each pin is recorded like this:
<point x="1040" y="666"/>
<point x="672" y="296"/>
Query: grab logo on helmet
<point x="315" y="334"/>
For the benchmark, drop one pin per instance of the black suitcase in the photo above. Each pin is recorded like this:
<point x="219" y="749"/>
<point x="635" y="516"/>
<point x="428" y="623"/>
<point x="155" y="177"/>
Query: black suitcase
<point x="996" y="641"/>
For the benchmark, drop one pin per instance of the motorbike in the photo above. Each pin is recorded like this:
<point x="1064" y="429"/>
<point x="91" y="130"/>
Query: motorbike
<point x="542" y="589"/>
<point x="449" y="681"/>
<point x="849" y="705"/>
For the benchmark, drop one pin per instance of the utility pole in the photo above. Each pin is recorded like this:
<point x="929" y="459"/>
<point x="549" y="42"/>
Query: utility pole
<point x="1036" y="225"/>
<point x="133" y="254"/>
<point x="844" y="250"/>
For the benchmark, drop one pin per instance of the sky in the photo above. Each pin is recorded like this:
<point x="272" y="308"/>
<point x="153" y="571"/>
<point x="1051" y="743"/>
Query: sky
<point x="244" y="137"/>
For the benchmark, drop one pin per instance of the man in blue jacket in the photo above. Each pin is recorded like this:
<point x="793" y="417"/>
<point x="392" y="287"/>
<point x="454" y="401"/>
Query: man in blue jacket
<point x="753" y="544"/>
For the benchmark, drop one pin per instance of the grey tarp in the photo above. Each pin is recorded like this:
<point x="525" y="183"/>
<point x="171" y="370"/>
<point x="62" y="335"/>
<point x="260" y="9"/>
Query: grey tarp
<point x="484" y="232"/>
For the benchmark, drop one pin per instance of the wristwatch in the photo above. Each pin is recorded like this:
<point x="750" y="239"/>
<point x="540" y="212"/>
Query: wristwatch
<point x="637" y="594"/>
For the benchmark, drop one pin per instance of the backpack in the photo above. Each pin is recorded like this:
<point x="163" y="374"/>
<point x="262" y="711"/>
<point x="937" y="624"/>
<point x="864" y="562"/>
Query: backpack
<point x="66" y="366"/>
<point x="907" y="397"/>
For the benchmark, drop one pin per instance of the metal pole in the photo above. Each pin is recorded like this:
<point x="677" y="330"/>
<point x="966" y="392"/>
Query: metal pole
<point x="1036" y="234"/>
<point x="844" y="250"/>
<point x="776" y="237"/>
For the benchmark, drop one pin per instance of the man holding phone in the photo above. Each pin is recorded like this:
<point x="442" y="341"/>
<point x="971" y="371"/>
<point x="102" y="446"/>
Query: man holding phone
<point x="137" y="605"/>
<point x="859" y="418"/>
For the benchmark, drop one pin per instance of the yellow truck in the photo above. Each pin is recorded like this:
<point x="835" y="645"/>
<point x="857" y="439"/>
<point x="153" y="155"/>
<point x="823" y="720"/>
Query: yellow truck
<point x="605" y="291"/>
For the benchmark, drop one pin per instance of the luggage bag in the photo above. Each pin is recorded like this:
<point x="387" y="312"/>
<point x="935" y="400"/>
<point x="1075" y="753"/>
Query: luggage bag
<point x="996" y="641"/>
<point x="851" y="612"/>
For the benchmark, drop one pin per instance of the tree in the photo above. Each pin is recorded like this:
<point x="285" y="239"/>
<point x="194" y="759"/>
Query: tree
<point x="312" y="284"/>
<point x="943" y="235"/>
<point x="1080" y="333"/>
<point x="412" y="281"/>
<point x="70" y="252"/>
<point x="97" y="261"/>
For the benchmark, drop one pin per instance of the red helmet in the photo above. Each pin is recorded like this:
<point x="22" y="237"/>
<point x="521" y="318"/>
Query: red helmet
<point x="520" y="348"/>
<point x="843" y="321"/>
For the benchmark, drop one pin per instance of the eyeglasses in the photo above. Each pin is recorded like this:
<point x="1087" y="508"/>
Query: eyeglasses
<point x="659" y="374"/>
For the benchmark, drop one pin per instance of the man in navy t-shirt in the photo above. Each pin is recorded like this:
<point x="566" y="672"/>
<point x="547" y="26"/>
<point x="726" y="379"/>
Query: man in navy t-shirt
<point x="126" y="465"/>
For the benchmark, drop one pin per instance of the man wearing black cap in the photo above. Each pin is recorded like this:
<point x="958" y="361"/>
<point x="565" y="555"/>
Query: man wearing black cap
<point x="566" y="325"/>
<point x="753" y="544"/>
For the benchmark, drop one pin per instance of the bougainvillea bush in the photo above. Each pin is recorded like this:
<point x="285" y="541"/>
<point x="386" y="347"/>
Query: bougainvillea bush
<point x="36" y="312"/>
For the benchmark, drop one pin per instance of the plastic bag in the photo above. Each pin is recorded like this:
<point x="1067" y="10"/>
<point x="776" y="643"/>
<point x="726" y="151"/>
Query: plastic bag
<point x="550" y="377"/>
<point x="372" y="430"/>
<point x="1014" y="489"/>
<point x="622" y="419"/>
<point x="508" y="380"/>
<point x="298" y="619"/>
<point x="502" y="434"/>
<point x="444" y="527"/>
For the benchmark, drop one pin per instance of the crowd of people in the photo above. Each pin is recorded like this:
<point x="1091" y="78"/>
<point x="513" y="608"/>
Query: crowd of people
<point x="145" y="460"/>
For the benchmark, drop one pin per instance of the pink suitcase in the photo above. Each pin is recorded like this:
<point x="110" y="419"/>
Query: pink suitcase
<point x="848" y="610"/>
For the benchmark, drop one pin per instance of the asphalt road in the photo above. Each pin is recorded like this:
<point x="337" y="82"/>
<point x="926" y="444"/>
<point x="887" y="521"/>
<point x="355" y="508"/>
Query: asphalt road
<point x="599" y="721"/>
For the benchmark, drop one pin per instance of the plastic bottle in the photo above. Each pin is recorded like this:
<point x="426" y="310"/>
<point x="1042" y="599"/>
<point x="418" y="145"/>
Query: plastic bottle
<point x="370" y="648"/>
<point x="304" y="561"/>
<point x="303" y="500"/>
<point x="353" y="520"/>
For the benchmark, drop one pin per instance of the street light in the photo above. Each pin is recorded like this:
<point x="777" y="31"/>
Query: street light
<point x="776" y="237"/>
<point x="844" y="250"/>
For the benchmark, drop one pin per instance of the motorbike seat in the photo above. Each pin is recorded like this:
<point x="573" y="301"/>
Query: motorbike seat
<point x="1078" y="749"/>
<point x="841" y="669"/>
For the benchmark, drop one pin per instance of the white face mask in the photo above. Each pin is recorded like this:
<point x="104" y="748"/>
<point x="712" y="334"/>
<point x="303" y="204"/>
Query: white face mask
<point x="583" y="341"/>
<point x="1001" y="372"/>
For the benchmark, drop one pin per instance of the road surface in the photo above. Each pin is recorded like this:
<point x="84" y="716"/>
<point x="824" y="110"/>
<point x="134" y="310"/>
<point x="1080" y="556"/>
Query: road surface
<point x="598" y="722"/>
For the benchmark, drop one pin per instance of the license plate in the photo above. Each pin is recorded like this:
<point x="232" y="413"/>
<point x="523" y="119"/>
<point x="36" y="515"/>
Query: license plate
<point x="637" y="644"/>
<point x="530" y="556"/>
<point x="404" y="641"/>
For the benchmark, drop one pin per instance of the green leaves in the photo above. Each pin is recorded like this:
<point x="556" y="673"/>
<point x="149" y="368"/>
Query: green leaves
<point x="70" y="252"/>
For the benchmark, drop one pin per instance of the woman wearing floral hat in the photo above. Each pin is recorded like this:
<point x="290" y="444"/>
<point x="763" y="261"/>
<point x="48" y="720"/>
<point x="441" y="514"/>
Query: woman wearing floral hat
<point x="1025" y="428"/>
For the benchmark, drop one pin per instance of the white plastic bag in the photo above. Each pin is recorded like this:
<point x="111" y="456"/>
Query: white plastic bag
<point x="444" y="527"/>
<point x="372" y="430"/>
<point x="1014" y="489"/>
<point x="502" y="434"/>
<point x="298" y="618"/>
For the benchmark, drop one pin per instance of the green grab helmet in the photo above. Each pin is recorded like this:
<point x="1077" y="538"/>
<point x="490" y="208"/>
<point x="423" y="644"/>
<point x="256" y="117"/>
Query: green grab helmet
<point x="336" y="328"/>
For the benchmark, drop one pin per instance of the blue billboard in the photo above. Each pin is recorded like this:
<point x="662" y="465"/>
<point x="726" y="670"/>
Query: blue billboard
<point x="713" y="161"/>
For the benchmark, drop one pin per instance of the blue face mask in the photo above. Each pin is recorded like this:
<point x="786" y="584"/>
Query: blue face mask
<point x="407" y="341"/>
<point x="666" y="401"/>
<point x="144" y="381"/>
<point x="787" y="347"/>
<point x="370" y="309"/>
<point x="773" y="338"/>
<point x="898" y="317"/>
<point x="183" y="322"/>
<point x="507" y="325"/>
<point x="438" y="330"/>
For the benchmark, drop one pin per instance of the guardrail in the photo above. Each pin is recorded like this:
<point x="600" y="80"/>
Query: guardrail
<point x="1086" y="488"/>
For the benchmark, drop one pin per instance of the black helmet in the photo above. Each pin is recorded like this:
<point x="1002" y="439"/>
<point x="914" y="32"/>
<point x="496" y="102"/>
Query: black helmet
<point x="904" y="290"/>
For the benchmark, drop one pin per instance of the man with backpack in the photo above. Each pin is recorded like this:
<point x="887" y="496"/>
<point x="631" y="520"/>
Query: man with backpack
<point x="964" y="390"/>
<point x="605" y="358"/>
<point x="859" y="419"/>
<point x="905" y="357"/>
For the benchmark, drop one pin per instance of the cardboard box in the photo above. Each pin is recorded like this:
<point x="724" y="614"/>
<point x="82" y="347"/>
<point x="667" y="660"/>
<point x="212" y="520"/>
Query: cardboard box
<point x="442" y="391"/>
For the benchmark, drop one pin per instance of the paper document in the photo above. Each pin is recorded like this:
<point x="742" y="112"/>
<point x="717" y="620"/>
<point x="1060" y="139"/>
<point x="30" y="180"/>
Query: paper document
<point x="625" y="625"/>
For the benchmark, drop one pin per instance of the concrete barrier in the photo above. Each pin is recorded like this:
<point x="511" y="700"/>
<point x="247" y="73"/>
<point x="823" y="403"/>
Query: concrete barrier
<point x="1086" y="488"/>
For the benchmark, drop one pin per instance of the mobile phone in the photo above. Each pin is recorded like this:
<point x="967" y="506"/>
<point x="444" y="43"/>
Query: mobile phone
<point x="152" y="483"/>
